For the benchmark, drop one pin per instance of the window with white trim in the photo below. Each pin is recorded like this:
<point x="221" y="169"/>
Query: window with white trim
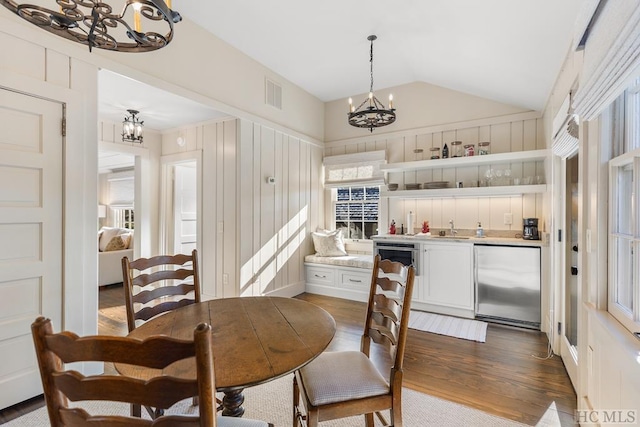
<point x="123" y="217"/>
<point x="356" y="211"/>
<point x="355" y="181"/>
<point x="121" y="199"/>
<point x="624" y="229"/>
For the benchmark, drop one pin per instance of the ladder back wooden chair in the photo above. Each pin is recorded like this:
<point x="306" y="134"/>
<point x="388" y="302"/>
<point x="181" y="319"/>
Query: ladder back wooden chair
<point x="347" y="383"/>
<point x="62" y="386"/>
<point x="155" y="285"/>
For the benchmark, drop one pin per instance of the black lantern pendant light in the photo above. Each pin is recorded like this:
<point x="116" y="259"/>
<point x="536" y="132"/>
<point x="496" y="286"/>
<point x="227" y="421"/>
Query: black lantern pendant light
<point x="94" y="22"/>
<point x="132" y="127"/>
<point x="371" y="113"/>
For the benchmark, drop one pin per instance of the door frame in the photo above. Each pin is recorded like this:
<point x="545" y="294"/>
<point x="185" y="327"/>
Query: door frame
<point x="166" y="198"/>
<point x="141" y="201"/>
<point x="560" y="344"/>
<point x="80" y="203"/>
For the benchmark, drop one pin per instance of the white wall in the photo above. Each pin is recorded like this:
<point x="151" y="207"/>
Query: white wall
<point x="471" y="120"/>
<point x="418" y="105"/>
<point x="608" y="370"/>
<point x="254" y="234"/>
<point x="34" y="69"/>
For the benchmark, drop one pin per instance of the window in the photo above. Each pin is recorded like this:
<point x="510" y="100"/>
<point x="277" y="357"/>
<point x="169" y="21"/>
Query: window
<point x="123" y="217"/>
<point x="356" y="211"/>
<point x="624" y="230"/>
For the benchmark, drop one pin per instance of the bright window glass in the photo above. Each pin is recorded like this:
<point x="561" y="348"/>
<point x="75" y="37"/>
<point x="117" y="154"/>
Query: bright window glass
<point x="356" y="211"/>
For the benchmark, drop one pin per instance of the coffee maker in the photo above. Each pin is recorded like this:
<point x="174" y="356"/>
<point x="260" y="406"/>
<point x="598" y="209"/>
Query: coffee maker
<point x="530" y="229"/>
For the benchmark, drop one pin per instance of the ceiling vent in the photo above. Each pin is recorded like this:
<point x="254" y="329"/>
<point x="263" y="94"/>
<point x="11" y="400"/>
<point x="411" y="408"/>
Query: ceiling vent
<point x="273" y="93"/>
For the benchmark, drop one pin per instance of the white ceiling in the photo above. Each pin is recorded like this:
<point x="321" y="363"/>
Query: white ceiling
<point x="159" y="109"/>
<point x="504" y="50"/>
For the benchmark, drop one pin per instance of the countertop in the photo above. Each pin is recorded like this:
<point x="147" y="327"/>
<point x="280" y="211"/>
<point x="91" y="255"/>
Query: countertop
<point x="461" y="239"/>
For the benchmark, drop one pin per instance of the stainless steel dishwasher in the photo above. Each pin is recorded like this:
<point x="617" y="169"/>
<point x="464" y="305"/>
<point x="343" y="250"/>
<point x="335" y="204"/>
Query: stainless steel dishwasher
<point x="507" y="281"/>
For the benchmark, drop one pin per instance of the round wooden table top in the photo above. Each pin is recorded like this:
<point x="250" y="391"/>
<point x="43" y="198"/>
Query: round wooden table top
<point x="255" y="339"/>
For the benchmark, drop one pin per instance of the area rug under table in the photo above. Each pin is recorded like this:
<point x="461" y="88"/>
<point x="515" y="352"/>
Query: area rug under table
<point x="272" y="402"/>
<point x="467" y="329"/>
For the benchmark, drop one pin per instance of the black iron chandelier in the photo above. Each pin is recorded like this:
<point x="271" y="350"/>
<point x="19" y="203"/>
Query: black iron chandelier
<point x="94" y="23"/>
<point x="371" y="113"/>
<point x="132" y="127"/>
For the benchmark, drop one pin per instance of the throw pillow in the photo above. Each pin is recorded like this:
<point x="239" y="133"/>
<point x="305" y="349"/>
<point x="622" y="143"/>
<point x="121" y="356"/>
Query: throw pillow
<point x="116" y="243"/>
<point x="330" y="244"/>
<point x="108" y="233"/>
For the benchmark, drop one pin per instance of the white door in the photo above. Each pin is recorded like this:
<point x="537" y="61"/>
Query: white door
<point x="185" y="206"/>
<point x="31" y="198"/>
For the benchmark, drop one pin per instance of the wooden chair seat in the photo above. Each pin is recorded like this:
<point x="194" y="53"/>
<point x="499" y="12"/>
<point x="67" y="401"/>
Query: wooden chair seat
<point x="342" y="376"/>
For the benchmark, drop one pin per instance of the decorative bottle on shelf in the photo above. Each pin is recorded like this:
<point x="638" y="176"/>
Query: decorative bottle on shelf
<point x="392" y="227"/>
<point x="445" y="152"/>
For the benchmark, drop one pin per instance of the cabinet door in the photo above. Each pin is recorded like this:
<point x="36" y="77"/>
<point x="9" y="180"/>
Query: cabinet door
<point x="447" y="273"/>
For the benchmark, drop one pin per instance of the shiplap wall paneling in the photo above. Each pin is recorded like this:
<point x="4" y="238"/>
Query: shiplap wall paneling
<point x="268" y="234"/>
<point x="227" y="189"/>
<point x="246" y="213"/>
<point x="279" y="219"/>
<point x="295" y="217"/>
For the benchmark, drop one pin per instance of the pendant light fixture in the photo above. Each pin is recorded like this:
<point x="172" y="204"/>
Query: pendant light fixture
<point x="371" y="113"/>
<point x="95" y="23"/>
<point x="132" y="127"/>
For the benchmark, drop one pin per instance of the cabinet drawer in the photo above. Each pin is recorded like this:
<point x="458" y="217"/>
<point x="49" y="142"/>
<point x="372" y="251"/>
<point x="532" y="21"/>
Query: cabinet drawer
<point x="319" y="275"/>
<point x="348" y="279"/>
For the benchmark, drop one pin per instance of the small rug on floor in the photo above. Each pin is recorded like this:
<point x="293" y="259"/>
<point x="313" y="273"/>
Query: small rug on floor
<point x="272" y="402"/>
<point x="472" y="330"/>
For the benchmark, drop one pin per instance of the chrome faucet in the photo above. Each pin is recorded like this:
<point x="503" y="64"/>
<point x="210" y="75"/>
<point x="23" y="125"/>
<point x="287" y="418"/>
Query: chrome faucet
<point x="451" y="227"/>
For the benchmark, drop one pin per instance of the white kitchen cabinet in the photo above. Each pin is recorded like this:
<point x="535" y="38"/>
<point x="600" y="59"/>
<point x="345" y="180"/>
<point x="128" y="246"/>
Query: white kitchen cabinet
<point x="447" y="278"/>
<point x="338" y="281"/>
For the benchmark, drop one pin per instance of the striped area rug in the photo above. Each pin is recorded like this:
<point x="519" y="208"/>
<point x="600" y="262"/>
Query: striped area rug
<point x="467" y="329"/>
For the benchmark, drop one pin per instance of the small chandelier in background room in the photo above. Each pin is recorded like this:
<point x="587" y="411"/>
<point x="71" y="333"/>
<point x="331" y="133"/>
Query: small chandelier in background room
<point x="94" y="23"/>
<point x="132" y="127"/>
<point x="371" y="113"/>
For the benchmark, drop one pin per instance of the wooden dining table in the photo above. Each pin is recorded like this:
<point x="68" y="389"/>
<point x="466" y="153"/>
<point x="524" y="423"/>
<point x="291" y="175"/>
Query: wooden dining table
<point x="255" y="340"/>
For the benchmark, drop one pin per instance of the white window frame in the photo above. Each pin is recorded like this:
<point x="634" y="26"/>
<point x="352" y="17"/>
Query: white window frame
<point x="335" y="202"/>
<point x="629" y="317"/>
<point x="119" y="217"/>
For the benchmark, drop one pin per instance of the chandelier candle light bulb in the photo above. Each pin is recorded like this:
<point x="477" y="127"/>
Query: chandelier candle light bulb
<point x="136" y="17"/>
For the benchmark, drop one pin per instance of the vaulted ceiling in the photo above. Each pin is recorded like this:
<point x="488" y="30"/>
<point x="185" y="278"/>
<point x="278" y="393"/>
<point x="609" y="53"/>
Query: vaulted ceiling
<point x="505" y="50"/>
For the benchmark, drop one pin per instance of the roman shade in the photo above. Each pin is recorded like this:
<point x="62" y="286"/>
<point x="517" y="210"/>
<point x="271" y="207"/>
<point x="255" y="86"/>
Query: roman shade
<point x="354" y="169"/>
<point x="611" y="58"/>
<point x="565" y="130"/>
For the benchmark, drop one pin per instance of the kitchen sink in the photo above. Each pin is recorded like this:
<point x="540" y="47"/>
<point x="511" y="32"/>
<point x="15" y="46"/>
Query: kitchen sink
<point x="452" y="237"/>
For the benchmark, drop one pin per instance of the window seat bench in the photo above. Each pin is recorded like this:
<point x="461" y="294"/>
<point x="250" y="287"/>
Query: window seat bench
<point x="346" y="276"/>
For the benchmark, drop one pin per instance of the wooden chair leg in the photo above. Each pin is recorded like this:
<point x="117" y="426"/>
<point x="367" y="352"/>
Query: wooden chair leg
<point x="296" y="402"/>
<point x="368" y="420"/>
<point x="136" y="410"/>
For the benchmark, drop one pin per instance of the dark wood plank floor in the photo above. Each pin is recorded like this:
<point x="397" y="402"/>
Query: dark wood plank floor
<point x="505" y="376"/>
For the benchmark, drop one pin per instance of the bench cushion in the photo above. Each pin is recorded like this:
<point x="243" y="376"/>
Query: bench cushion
<point x="358" y="261"/>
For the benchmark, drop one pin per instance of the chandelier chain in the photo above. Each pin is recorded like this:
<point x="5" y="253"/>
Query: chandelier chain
<point x="371" y="68"/>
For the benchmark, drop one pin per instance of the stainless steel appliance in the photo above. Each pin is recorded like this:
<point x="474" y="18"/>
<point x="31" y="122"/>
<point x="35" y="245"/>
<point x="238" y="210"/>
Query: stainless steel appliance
<point x="507" y="280"/>
<point x="406" y="253"/>
<point x="530" y="229"/>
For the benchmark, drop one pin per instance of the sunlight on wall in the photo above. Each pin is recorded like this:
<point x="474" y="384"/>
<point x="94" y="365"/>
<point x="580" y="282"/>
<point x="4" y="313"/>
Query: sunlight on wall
<point x="262" y="267"/>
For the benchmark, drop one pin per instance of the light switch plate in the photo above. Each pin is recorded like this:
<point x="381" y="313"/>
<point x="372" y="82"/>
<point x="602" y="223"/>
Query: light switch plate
<point x="508" y="218"/>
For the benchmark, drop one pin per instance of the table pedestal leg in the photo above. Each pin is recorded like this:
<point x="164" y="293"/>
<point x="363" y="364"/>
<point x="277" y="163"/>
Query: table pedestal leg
<point x="232" y="403"/>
